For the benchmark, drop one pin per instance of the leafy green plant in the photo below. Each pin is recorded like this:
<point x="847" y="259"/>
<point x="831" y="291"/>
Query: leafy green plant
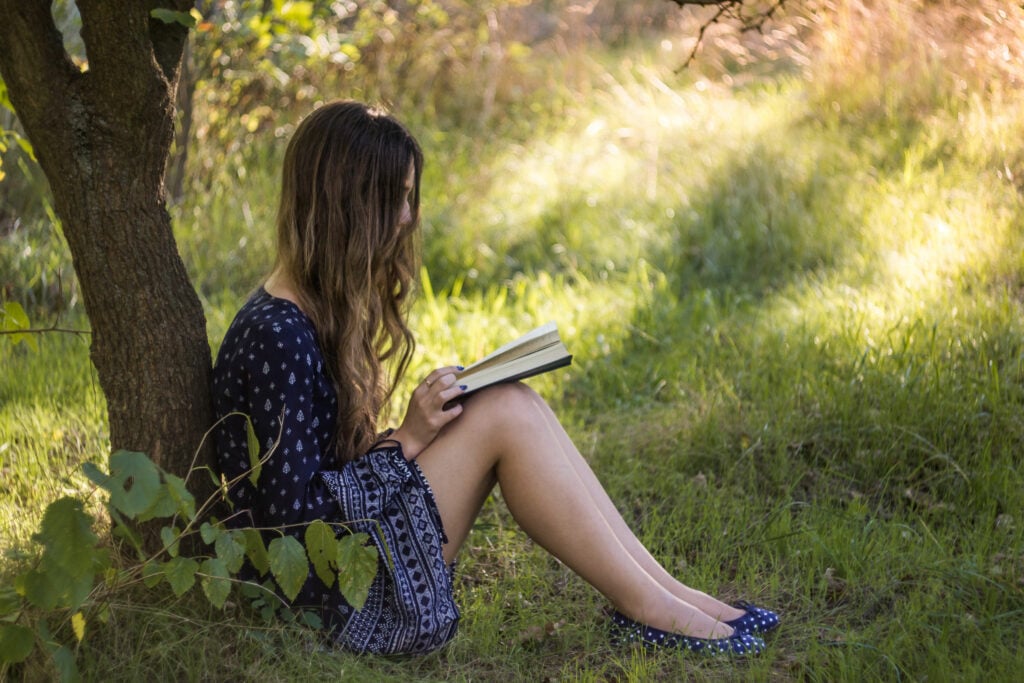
<point x="72" y="581"/>
<point x="12" y="321"/>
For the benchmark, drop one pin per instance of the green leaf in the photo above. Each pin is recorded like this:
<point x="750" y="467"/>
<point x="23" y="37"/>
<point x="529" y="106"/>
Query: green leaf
<point x="169" y="536"/>
<point x="152" y="574"/>
<point x="181" y="574"/>
<point x="253" y="592"/>
<point x="288" y="564"/>
<point x="70" y="557"/>
<point x="96" y="475"/>
<point x="254" y="451"/>
<point x="230" y="548"/>
<point x="169" y="16"/>
<point x="184" y="501"/>
<point x="134" y="482"/>
<point x="16" y="643"/>
<point x="63" y="658"/>
<point x="357" y="568"/>
<point x="101" y="561"/>
<point x="216" y="581"/>
<point x="209" y="533"/>
<point x="38" y="588"/>
<point x="163" y="505"/>
<point x="256" y="551"/>
<point x="311" y="619"/>
<point x="77" y="589"/>
<point x="66" y="532"/>
<point x="64" y="661"/>
<point x="12" y="318"/>
<point x="322" y="549"/>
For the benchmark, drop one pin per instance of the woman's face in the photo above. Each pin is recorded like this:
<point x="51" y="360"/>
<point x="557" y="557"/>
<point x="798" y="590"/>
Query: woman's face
<point x="405" y="216"/>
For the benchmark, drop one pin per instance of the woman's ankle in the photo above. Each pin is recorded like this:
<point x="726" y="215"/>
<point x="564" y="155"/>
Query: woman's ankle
<point x="678" y="616"/>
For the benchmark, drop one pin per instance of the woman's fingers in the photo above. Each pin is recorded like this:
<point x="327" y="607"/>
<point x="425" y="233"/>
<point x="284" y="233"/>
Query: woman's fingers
<point x="452" y="391"/>
<point x="441" y="391"/>
<point x="427" y="414"/>
<point x="439" y="373"/>
<point x="439" y="380"/>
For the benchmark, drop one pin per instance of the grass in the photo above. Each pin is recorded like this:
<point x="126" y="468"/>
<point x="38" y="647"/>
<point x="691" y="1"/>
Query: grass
<point x="798" y="337"/>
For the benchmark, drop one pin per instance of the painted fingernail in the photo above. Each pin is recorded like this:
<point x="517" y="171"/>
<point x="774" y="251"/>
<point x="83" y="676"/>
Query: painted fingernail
<point x="463" y="387"/>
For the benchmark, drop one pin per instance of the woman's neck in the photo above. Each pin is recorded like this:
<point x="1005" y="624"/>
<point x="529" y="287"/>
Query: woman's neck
<point x="280" y="286"/>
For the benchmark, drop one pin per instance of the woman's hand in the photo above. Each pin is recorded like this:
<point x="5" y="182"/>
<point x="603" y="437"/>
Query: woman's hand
<point x="426" y="415"/>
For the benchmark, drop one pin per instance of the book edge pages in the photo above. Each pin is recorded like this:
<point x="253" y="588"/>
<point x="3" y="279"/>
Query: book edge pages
<point x="518" y="368"/>
<point x="536" y="334"/>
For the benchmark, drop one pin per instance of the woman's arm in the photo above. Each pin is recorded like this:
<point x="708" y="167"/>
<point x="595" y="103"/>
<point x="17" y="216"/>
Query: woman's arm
<point x="277" y="379"/>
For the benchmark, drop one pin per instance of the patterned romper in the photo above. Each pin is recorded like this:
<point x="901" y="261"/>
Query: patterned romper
<point x="270" y="367"/>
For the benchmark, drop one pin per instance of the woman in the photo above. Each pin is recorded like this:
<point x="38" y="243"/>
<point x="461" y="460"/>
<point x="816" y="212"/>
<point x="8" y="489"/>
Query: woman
<point x="305" y="359"/>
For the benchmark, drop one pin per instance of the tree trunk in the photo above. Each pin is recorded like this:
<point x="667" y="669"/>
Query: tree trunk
<point x="102" y="134"/>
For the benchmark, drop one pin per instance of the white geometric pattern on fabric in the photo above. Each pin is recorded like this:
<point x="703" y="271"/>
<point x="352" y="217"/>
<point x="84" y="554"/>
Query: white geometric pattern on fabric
<point x="410" y="608"/>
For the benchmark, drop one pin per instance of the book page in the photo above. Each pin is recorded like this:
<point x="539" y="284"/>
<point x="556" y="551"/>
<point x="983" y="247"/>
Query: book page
<point x="535" y="339"/>
<point x="537" y="351"/>
<point x="549" y="358"/>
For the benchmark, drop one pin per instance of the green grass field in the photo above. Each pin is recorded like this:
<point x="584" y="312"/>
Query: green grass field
<point x="799" y="352"/>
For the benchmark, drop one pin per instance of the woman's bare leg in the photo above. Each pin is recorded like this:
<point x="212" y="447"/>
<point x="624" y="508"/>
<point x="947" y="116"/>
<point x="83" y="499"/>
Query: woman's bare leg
<point x="504" y="436"/>
<point x="711" y="606"/>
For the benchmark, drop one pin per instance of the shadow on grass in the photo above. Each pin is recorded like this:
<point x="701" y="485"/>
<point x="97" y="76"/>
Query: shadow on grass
<point x="861" y="465"/>
<point x="762" y="225"/>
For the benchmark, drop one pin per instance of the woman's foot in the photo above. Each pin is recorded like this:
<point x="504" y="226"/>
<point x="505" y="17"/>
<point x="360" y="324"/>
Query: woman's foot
<point x="669" y="614"/>
<point x="705" y="603"/>
<point x="628" y="631"/>
<point x="754" y="619"/>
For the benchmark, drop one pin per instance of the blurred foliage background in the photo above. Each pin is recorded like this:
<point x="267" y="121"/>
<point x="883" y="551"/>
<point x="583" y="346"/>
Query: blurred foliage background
<point x="481" y="82"/>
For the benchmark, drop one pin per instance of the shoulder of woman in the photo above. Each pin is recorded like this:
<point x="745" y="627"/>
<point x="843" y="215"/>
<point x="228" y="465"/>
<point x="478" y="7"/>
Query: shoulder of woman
<point x="268" y="331"/>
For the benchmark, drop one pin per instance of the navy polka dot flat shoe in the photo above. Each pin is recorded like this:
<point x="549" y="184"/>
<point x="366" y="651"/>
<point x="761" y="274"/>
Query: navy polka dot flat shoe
<point x="625" y="631"/>
<point x="756" y="620"/>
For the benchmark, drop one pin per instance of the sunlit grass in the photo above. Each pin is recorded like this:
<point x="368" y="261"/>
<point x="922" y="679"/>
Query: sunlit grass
<point x="51" y="421"/>
<point x="603" y="190"/>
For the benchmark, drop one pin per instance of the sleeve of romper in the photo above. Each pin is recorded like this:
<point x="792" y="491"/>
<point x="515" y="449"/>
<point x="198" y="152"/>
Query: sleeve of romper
<point x="281" y="391"/>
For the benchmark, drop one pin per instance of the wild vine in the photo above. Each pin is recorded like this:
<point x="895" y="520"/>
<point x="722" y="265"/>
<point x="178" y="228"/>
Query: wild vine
<point x="71" y="583"/>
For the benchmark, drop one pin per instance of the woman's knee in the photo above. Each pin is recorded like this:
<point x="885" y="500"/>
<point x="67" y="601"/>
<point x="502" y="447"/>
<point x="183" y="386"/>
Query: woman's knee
<point x="509" y="407"/>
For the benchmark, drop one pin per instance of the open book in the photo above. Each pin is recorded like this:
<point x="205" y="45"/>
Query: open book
<point x="537" y="351"/>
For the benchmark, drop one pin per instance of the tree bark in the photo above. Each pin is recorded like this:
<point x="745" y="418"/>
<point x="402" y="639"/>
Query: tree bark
<point x="102" y="133"/>
<point x="177" y="164"/>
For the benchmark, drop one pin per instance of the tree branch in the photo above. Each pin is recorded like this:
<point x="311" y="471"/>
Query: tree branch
<point x="731" y="9"/>
<point x="146" y="52"/>
<point x="169" y="39"/>
<point x="126" y="59"/>
<point x="45" y="330"/>
<point x="34" y="64"/>
<point x="705" y="3"/>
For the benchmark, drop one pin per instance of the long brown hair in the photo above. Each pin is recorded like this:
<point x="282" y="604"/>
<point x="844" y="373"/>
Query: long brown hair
<point x="342" y="244"/>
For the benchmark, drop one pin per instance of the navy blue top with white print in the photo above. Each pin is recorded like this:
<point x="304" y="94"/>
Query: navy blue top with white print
<point x="270" y="367"/>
